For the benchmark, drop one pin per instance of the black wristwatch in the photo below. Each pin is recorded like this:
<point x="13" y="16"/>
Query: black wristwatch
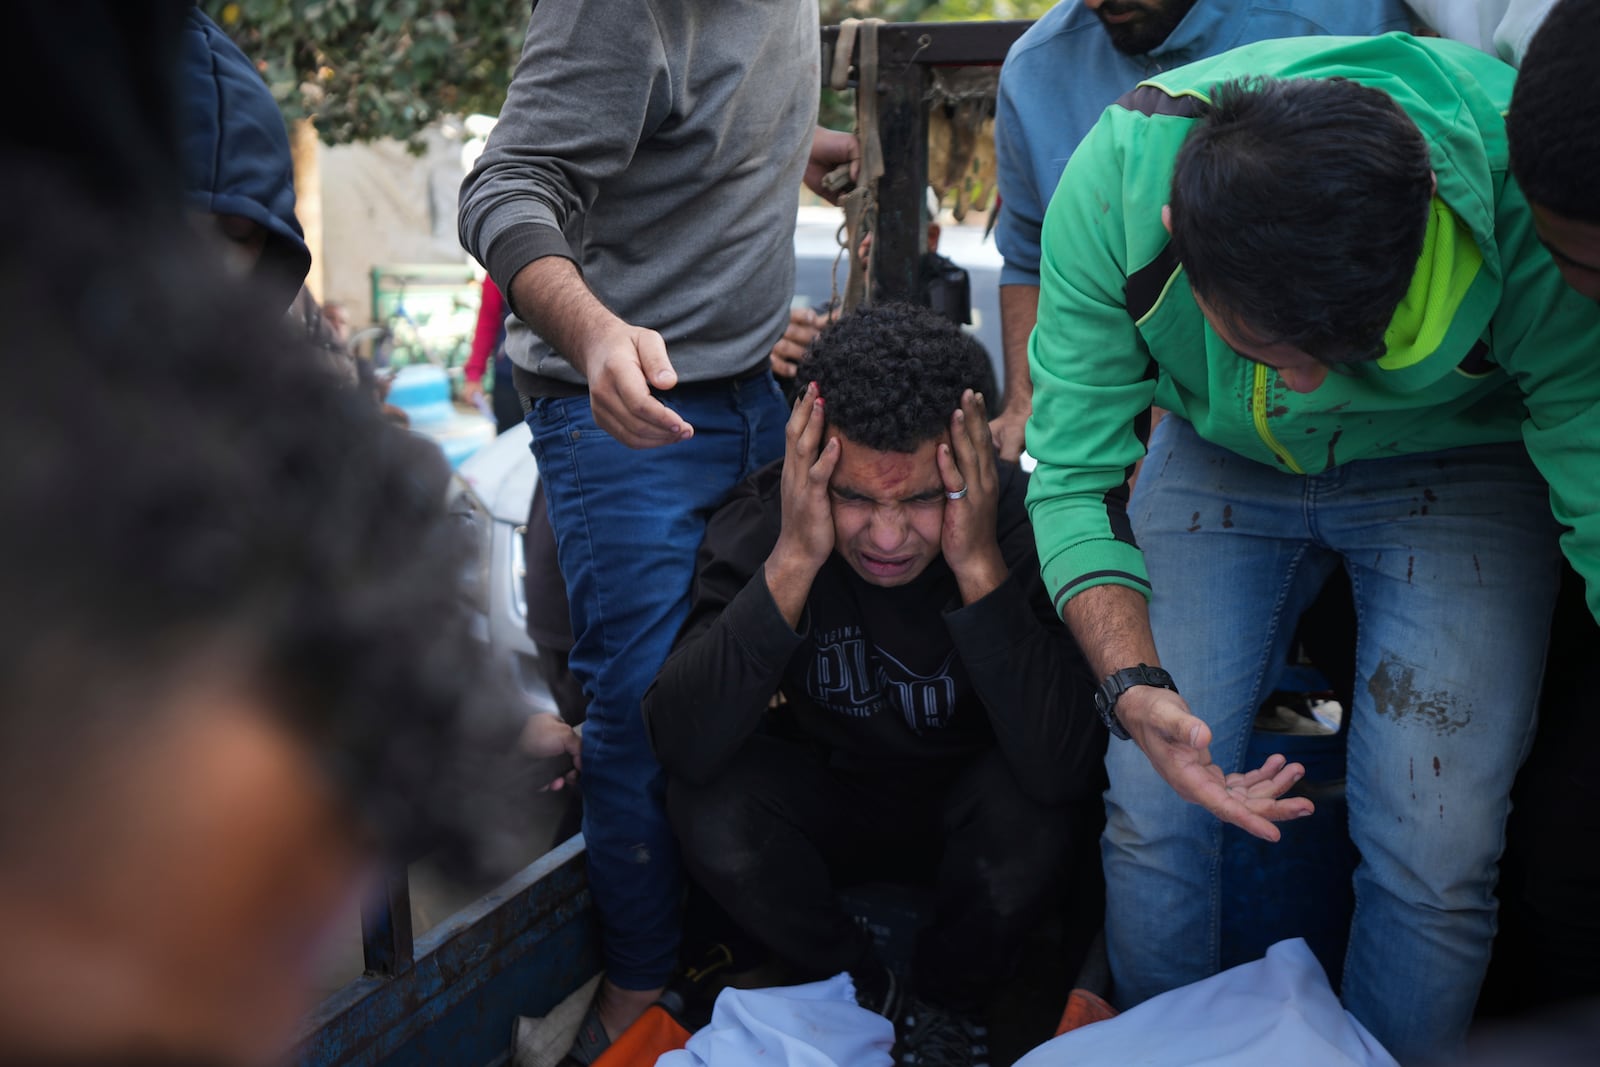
<point x="1111" y="690"/>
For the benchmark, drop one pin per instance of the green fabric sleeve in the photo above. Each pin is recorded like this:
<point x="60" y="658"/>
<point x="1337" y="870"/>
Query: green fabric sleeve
<point x="1548" y="338"/>
<point x="1093" y="378"/>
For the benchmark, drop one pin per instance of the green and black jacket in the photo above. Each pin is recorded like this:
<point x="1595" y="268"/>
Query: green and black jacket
<point x="1488" y="345"/>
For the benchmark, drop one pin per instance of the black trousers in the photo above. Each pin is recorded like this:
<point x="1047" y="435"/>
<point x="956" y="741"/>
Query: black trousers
<point x="780" y="831"/>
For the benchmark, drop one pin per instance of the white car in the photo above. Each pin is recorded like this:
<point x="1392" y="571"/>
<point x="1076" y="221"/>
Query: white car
<point x="491" y="492"/>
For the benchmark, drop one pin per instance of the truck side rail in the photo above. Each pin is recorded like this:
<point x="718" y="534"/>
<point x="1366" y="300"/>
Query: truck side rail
<point x="520" y="950"/>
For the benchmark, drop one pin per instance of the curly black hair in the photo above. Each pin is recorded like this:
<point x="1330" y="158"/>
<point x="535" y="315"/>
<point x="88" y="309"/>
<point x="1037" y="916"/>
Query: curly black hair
<point x="1299" y="207"/>
<point x="185" y="480"/>
<point x="1554" y="121"/>
<point x="890" y="375"/>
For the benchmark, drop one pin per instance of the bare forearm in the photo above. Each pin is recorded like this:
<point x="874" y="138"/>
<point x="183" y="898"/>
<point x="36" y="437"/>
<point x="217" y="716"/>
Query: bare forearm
<point x="1112" y="626"/>
<point x="789" y="581"/>
<point x="621" y="362"/>
<point x="982" y="577"/>
<point x="1019" y="310"/>
<point x="551" y="296"/>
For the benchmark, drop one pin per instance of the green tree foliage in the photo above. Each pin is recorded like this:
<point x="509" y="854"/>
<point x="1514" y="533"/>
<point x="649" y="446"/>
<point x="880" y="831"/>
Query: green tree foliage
<point x="835" y="11"/>
<point x="838" y="109"/>
<point x="982" y="10"/>
<point x="934" y="10"/>
<point x="365" y="69"/>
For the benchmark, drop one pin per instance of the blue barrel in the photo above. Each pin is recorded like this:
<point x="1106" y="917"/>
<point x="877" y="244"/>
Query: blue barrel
<point x="894" y="916"/>
<point x="1301" y="886"/>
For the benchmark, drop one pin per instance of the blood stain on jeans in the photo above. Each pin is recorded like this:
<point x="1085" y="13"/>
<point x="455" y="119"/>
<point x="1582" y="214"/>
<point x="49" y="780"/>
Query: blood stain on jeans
<point x="1395" y="693"/>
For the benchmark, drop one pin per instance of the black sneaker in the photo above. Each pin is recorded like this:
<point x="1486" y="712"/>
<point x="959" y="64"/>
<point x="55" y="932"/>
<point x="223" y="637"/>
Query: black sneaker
<point x="931" y="1036"/>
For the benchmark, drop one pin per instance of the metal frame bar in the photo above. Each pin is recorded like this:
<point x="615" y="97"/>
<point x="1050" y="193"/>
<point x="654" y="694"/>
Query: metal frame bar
<point x="520" y="950"/>
<point x="386" y="944"/>
<point x="906" y="53"/>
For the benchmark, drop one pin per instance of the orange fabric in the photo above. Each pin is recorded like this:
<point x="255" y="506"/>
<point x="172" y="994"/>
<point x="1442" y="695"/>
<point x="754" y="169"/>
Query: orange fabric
<point x="652" y="1034"/>
<point x="1083" y="1008"/>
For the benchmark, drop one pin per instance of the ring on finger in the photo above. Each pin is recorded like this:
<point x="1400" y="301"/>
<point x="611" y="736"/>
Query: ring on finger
<point x="957" y="495"/>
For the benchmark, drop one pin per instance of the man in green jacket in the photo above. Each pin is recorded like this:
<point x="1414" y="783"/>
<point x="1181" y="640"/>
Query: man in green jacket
<point x="1310" y="253"/>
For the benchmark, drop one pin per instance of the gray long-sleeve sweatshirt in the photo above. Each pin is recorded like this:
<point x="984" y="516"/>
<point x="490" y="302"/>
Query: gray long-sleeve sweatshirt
<point x="658" y="144"/>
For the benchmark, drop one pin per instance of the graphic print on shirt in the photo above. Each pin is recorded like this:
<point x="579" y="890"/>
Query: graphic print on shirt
<point x="850" y="677"/>
<point x="840" y="680"/>
<point x="924" y="700"/>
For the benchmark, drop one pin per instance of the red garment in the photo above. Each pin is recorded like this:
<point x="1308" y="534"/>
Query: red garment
<point x="491" y="318"/>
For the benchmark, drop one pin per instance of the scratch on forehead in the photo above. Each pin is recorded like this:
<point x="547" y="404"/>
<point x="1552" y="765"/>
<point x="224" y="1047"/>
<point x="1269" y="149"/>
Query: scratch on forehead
<point x="892" y="471"/>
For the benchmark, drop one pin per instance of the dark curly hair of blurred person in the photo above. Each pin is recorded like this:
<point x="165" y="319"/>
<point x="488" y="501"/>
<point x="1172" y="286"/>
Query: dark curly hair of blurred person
<point x="890" y="375"/>
<point x="185" y="485"/>
<point x="1554" y="121"/>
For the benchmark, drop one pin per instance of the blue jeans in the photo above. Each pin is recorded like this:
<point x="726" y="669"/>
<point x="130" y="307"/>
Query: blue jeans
<point x="627" y="525"/>
<point x="1453" y="560"/>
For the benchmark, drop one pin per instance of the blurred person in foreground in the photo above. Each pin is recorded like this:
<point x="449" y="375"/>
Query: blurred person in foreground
<point x="233" y="670"/>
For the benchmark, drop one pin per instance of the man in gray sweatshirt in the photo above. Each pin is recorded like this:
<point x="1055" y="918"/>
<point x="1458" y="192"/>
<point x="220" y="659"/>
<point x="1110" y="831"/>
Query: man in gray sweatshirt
<point x="636" y="204"/>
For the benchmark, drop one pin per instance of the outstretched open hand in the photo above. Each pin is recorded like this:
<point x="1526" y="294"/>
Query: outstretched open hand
<point x="1178" y="744"/>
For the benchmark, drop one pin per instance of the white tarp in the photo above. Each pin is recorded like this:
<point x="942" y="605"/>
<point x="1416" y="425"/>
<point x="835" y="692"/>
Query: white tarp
<point x="816" y="1025"/>
<point x="1278" y="1009"/>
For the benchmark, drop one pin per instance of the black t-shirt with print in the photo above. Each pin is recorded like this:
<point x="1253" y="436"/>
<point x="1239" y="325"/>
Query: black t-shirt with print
<point x="877" y="677"/>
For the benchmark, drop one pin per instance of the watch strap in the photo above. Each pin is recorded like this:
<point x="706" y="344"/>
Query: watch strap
<point x="1111" y="690"/>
